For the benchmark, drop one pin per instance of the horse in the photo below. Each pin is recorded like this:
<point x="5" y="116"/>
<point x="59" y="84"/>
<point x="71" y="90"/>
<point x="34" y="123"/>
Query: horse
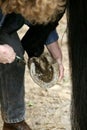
<point x="77" y="45"/>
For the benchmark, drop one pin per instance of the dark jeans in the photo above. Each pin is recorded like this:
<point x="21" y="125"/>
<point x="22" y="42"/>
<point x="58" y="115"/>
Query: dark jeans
<point x="12" y="83"/>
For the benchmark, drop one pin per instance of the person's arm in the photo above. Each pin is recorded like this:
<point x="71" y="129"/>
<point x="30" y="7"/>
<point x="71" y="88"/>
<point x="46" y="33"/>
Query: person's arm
<point x="12" y="22"/>
<point x="54" y="49"/>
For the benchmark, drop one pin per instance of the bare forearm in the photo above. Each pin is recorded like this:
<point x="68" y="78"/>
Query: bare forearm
<point x="55" y="51"/>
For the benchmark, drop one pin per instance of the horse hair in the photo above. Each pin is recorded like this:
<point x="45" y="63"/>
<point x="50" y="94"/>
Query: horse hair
<point x="77" y="44"/>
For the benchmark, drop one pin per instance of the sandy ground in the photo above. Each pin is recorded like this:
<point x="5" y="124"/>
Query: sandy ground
<point x="49" y="109"/>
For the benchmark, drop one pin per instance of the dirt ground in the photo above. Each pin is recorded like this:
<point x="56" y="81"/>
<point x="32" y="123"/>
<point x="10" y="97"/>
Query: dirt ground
<point x="49" y="109"/>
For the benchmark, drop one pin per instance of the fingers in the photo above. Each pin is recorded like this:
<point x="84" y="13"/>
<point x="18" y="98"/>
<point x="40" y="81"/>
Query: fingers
<point x="7" y="54"/>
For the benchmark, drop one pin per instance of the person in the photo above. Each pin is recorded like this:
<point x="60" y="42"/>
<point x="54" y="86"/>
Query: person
<point x="12" y="70"/>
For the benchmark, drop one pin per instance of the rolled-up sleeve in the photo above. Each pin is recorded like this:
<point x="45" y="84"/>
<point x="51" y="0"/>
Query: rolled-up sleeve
<point x="53" y="36"/>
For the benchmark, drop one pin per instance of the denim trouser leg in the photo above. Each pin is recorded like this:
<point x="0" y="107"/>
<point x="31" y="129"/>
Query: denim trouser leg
<point x="12" y="85"/>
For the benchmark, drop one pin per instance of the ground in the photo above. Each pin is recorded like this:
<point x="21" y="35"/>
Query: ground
<point x="49" y="109"/>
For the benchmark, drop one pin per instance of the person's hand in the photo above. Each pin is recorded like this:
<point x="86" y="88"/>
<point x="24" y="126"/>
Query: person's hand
<point x="61" y="69"/>
<point x="7" y="54"/>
